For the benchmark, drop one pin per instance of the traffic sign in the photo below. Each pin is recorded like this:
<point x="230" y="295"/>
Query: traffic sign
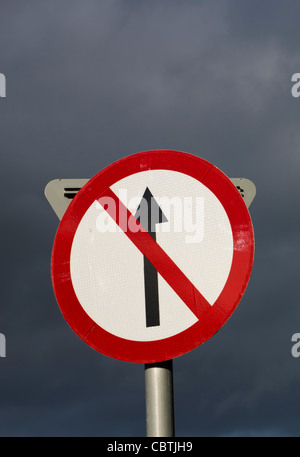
<point x="152" y="256"/>
<point x="60" y="192"/>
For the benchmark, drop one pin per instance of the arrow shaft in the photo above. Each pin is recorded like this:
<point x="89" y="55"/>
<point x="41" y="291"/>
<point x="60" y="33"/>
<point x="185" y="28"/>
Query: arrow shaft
<point x="151" y="294"/>
<point x="151" y="291"/>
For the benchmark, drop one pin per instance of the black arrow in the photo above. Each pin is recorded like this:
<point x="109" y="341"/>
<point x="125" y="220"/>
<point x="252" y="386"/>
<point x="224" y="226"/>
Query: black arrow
<point x="148" y="215"/>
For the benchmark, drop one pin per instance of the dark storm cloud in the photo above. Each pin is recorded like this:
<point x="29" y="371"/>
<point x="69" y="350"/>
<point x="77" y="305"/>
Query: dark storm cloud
<point x="89" y="83"/>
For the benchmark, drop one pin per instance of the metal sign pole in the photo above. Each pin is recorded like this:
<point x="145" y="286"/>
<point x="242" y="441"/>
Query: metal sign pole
<point x="159" y="399"/>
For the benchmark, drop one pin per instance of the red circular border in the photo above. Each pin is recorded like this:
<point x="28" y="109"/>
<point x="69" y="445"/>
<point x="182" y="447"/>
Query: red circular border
<point x="243" y="254"/>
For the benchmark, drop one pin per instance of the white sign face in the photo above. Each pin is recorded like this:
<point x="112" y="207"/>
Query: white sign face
<point x="108" y="270"/>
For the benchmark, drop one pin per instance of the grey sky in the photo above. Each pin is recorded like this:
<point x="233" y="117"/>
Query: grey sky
<point x="89" y="83"/>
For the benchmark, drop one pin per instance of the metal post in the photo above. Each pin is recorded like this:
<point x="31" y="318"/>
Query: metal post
<point x="159" y="399"/>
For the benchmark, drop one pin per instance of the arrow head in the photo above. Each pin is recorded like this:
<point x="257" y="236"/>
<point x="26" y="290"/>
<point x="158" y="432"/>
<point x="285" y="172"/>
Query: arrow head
<point x="149" y="212"/>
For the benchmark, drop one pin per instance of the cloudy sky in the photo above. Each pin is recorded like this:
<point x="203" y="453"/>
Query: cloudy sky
<point x="89" y="83"/>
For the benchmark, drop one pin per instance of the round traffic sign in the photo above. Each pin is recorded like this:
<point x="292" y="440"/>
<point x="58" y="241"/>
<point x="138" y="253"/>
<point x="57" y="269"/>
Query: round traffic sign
<point x="152" y="256"/>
